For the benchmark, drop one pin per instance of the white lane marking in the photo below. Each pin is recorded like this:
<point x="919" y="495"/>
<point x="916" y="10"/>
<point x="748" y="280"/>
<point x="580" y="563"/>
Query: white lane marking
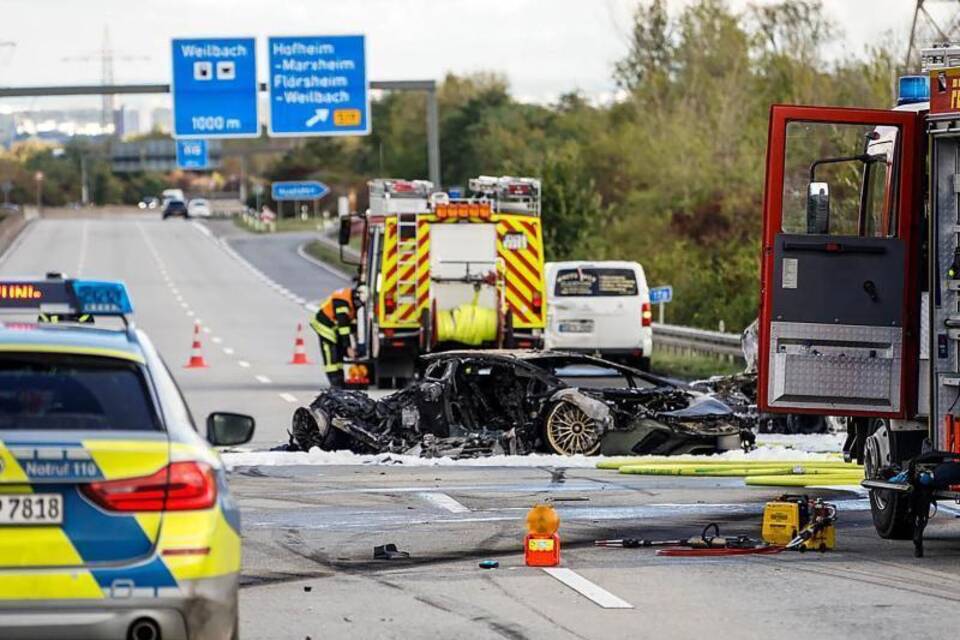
<point x="584" y="587"/>
<point x="289" y="397"/>
<point x="263" y="379"/>
<point x="202" y="228"/>
<point x="444" y="501"/>
<point x="205" y="329"/>
<point x="242" y="363"/>
<point x="175" y="291"/>
<point x="216" y="339"/>
<point x="184" y="305"/>
<point x="228" y="351"/>
<point x="190" y="314"/>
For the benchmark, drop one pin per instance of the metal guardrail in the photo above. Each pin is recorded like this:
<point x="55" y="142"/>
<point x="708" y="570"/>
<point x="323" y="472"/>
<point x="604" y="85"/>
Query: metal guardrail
<point x="690" y="341"/>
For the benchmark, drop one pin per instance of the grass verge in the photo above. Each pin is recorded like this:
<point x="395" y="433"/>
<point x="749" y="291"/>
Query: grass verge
<point x="326" y="253"/>
<point x="691" y="367"/>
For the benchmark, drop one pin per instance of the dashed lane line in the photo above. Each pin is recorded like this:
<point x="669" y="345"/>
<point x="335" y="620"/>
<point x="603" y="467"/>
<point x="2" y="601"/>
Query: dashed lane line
<point x="263" y="379"/>
<point x="587" y="589"/>
<point x="289" y="397"/>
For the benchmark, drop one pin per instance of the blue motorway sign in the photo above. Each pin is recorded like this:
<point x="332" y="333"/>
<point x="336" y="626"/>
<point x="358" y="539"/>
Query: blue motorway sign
<point x="303" y="190"/>
<point x="318" y="86"/>
<point x="214" y="88"/>
<point x="661" y="294"/>
<point x="193" y="154"/>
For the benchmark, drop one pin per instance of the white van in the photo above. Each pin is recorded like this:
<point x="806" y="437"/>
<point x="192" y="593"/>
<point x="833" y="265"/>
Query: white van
<point x="601" y="308"/>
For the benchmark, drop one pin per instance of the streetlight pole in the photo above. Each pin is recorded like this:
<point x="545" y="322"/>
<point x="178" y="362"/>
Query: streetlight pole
<point x="38" y="176"/>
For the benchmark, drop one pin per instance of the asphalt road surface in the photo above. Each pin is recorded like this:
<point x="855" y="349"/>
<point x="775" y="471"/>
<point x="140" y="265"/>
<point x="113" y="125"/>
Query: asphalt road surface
<point x="178" y="274"/>
<point x="309" y="531"/>
<point x="277" y="256"/>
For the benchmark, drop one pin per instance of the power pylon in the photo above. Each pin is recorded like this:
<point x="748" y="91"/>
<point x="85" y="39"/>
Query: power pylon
<point x="106" y="56"/>
<point x="934" y="22"/>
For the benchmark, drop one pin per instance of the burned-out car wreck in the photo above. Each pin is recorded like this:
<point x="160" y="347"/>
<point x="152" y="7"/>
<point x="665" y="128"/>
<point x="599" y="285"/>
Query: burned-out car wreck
<point x="478" y="403"/>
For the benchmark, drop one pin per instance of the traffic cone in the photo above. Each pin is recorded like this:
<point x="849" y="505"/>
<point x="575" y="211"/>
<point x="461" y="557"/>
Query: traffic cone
<point x="299" y="349"/>
<point x="196" y="355"/>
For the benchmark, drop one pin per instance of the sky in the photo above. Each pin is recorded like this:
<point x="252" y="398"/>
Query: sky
<point x="544" y="47"/>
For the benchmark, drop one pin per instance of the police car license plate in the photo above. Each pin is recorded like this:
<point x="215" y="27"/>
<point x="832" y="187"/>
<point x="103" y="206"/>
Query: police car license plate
<point x="576" y="326"/>
<point x="31" y="508"/>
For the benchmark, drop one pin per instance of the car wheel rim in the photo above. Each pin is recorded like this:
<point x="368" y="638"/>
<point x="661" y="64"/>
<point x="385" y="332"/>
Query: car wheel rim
<point x="571" y="431"/>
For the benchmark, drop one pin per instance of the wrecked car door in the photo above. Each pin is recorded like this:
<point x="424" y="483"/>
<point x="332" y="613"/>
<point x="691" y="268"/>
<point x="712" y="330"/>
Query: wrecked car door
<point x="436" y="401"/>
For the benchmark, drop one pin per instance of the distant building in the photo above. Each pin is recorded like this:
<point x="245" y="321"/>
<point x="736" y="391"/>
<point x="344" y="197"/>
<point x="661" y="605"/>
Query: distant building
<point x="162" y="118"/>
<point x="126" y="122"/>
<point x="8" y="129"/>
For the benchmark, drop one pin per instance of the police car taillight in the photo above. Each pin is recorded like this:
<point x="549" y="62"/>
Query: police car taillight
<point x="180" y="486"/>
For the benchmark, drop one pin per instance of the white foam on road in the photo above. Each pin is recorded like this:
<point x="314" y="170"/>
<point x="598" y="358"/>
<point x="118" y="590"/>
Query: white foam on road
<point x="813" y="451"/>
<point x="443" y="501"/>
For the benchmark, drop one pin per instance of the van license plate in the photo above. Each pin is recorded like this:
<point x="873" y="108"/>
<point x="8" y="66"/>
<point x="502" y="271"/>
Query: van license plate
<point x="576" y="326"/>
<point x="31" y="508"/>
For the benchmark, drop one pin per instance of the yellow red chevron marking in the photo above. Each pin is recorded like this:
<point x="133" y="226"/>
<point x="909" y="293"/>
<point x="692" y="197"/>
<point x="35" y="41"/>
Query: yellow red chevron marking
<point x="523" y="270"/>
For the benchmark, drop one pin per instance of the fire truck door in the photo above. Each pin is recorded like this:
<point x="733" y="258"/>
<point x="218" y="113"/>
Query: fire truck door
<point x="838" y="324"/>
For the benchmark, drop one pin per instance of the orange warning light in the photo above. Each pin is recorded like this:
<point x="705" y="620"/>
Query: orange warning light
<point x="541" y="545"/>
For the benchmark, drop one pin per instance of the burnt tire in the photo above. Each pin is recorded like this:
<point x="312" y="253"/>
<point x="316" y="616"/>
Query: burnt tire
<point x="568" y="431"/>
<point x="892" y="516"/>
<point x="309" y="432"/>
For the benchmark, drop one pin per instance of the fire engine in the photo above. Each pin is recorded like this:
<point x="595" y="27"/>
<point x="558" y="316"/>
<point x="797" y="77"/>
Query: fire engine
<point x="860" y="285"/>
<point x="445" y="270"/>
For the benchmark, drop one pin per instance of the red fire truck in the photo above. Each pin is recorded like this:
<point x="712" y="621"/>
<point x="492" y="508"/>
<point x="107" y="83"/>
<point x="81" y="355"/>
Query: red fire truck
<point x="860" y="291"/>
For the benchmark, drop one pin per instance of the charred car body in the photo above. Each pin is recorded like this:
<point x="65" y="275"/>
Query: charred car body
<point x="472" y="403"/>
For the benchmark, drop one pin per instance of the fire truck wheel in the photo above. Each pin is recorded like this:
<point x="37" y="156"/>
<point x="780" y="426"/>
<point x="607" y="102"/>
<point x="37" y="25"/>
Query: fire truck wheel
<point x="892" y="517"/>
<point x="570" y="431"/>
<point x="508" y="341"/>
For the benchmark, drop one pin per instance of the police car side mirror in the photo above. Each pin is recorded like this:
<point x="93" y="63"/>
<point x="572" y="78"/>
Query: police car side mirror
<point x="818" y="208"/>
<point x="229" y="429"/>
<point x="345" y="228"/>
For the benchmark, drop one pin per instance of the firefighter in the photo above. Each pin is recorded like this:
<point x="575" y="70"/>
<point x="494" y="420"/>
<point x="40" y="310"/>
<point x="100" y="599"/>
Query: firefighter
<point x="334" y="322"/>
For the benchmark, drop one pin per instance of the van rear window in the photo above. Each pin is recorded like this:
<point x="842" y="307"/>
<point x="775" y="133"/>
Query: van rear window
<point x="595" y="282"/>
<point x="59" y="392"/>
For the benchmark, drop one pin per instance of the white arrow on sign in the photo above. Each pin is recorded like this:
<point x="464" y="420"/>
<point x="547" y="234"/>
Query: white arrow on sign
<point x="320" y="116"/>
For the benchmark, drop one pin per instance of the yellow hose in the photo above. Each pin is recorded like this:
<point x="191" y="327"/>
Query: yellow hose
<point x="468" y="324"/>
<point x="617" y="463"/>
<point x="825" y="480"/>
<point x="768" y="469"/>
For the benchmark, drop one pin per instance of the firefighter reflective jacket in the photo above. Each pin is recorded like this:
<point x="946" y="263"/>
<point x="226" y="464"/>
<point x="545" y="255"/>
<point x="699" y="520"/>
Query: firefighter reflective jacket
<point x="333" y="321"/>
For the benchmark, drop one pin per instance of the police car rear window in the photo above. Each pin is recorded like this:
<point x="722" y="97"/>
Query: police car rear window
<point x="595" y="282"/>
<point x="53" y="392"/>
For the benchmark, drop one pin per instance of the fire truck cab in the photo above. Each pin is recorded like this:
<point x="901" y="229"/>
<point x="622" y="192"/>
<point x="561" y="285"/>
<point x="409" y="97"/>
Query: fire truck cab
<point x="449" y="270"/>
<point x="860" y="285"/>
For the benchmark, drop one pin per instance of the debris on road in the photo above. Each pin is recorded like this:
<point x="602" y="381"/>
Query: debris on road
<point x="389" y="551"/>
<point x="470" y="404"/>
<point x="489" y="564"/>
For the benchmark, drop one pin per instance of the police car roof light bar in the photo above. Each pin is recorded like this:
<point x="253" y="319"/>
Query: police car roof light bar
<point x="57" y="295"/>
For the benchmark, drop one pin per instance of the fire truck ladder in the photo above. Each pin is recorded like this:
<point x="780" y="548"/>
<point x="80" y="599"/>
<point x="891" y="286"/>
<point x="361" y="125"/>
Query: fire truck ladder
<point x="407" y="259"/>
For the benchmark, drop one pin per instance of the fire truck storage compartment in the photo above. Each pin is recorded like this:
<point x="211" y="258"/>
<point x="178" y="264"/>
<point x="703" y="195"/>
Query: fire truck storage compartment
<point x="460" y="252"/>
<point x="838" y="345"/>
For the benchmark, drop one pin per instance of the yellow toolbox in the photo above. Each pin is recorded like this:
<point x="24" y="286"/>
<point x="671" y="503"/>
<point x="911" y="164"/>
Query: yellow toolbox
<point x="787" y="516"/>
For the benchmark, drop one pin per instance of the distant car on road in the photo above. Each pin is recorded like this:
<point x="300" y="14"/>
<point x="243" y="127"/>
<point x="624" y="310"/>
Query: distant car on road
<point x="600" y="308"/>
<point x="116" y="520"/>
<point x="149" y="202"/>
<point x="199" y="207"/>
<point x="173" y="194"/>
<point x="175" y="208"/>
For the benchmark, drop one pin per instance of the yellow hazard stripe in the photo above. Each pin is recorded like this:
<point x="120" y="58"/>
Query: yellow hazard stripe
<point x="52" y="585"/>
<point x="69" y="349"/>
<point x="197" y="530"/>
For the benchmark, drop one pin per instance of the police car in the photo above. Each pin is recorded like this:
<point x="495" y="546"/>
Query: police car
<point x="115" y="516"/>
